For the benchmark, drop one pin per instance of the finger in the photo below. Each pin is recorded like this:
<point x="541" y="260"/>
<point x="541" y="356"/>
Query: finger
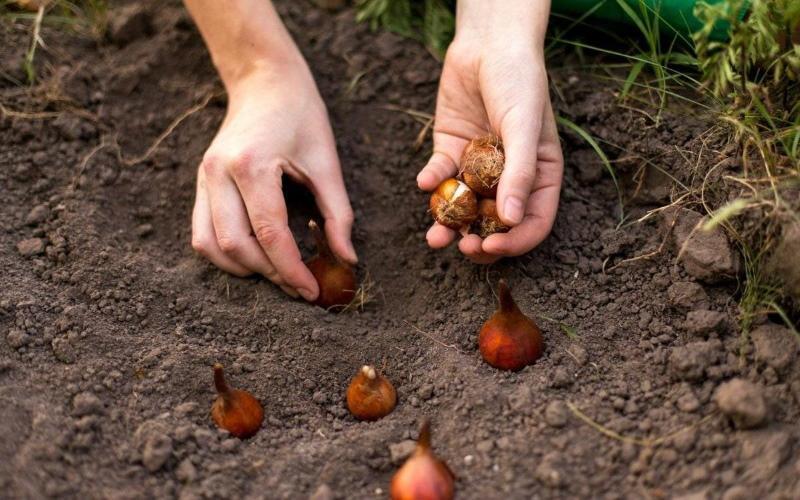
<point x="440" y="236"/>
<point x="470" y="245"/>
<point x="441" y="166"/>
<point x="204" y="239"/>
<point x="233" y="231"/>
<point x="520" y="134"/>
<point x="333" y="203"/>
<point x="534" y="228"/>
<point x="266" y="209"/>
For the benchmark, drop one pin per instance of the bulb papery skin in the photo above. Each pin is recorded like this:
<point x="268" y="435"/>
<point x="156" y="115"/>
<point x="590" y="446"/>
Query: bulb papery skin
<point x="423" y="476"/>
<point x="336" y="279"/>
<point x="488" y="221"/>
<point x="509" y="340"/>
<point x="236" y="411"/>
<point x="482" y="164"/>
<point x="370" y="396"/>
<point x="453" y="204"/>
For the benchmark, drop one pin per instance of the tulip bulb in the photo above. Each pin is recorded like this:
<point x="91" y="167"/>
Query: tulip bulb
<point x="488" y="222"/>
<point x="370" y="395"/>
<point x="423" y="476"/>
<point x="482" y="164"/>
<point x="336" y="279"/>
<point x="453" y="204"/>
<point x="509" y="340"/>
<point x="238" y="412"/>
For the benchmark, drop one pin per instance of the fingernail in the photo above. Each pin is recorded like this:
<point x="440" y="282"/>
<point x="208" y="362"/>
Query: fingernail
<point x="513" y="210"/>
<point x="306" y="294"/>
<point x="352" y="251"/>
<point x="291" y="292"/>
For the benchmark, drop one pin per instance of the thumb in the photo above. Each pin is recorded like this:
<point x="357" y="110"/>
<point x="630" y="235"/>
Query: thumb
<point x="520" y="135"/>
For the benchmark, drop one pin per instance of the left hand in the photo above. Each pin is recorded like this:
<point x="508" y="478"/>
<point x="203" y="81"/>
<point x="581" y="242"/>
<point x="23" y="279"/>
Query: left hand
<point x="494" y="79"/>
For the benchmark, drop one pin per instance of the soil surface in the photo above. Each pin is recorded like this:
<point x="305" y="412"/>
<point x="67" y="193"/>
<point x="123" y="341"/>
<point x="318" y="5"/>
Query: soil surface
<point x="110" y="324"/>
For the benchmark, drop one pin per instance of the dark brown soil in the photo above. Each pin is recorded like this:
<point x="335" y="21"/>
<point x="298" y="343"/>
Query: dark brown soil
<point x="110" y="324"/>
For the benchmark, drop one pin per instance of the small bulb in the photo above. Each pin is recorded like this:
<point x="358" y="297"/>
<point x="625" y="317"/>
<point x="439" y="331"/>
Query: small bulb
<point x="424" y="476"/>
<point x="488" y="222"/>
<point x="238" y="412"/>
<point x="482" y="165"/>
<point x="509" y="340"/>
<point x="336" y="279"/>
<point x="453" y="204"/>
<point x="370" y="395"/>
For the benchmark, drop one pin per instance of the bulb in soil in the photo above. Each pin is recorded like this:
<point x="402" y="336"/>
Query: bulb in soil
<point x="423" y="476"/>
<point x="370" y="395"/>
<point x="238" y="412"/>
<point x="509" y="340"/>
<point x="454" y="204"/>
<point x="336" y="279"/>
<point x="482" y="164"/>
<point x="488" y="222"/>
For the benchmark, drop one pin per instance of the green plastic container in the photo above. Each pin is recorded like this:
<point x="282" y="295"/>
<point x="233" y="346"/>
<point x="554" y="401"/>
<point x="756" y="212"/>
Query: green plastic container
<point x="677" y="14"/>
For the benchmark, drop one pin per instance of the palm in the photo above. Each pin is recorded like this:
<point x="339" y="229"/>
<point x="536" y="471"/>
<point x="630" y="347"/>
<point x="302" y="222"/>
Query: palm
<point x="498" y="96"/>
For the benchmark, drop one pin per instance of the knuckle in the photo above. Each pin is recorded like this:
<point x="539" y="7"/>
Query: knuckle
<point x="346" y="217"/>
<point x="200" y="245"/>
<point x="268" y="234"/>
<point x="241" y="164"/>
<point x="211" y="164"/>
<point x="524" y="176"/>
<point x="228" y="245"/>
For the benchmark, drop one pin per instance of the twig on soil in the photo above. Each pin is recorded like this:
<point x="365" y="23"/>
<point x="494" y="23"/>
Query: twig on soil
<point x="166" y="133"/>
<point x="431" y="337"/>
<point x="420" y="116"/>
<point x="420" y="140"/>
<point x="85" y="162"/>
<point x="627" y="439"/>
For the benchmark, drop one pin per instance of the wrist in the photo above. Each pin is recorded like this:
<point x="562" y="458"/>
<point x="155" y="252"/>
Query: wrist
<point x="497" y="22"/>
<point x="236" y="71"/>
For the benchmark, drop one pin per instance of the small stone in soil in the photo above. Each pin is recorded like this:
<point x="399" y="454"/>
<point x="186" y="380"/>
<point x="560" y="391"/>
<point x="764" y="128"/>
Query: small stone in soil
<point x="30" y="247"/>
<point x="37" y="214"/>
<point x="186" y="472"/>
<point x="742" y="402"/>
<point x="561" y="377"/>
<point x="702" y="322"/>
<point x="687" y="295"/>
<point x="143" y="230"/>
<point x="323" y="492"/>
<point x="86" y="403"/>
<point x="556" y="414"/>
<point x="156" y="452"/>
<point x="775" y="345"/>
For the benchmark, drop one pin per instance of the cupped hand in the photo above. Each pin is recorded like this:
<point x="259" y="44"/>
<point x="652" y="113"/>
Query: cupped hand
<point x="494" y="80"/>
<point x="276" y="124"/>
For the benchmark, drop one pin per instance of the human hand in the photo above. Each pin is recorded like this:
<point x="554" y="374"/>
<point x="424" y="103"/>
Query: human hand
<point x="276" y="124"/>
<point x="494" y="79"/>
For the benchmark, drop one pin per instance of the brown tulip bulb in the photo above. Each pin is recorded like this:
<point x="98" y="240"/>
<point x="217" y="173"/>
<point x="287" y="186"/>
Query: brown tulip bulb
<point x="482" y="164"/>
<point x="488" y="222"/>
<point x="509" y="340"/>
<point x="370" y="395"/>
<point x="238" y="412"/>
<point x="336" y="279"/>
<point x="423" y="476"/>
<point x="454" y="204"/>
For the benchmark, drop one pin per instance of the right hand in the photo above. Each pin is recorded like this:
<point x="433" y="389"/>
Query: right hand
<point x="276" y="124"/>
